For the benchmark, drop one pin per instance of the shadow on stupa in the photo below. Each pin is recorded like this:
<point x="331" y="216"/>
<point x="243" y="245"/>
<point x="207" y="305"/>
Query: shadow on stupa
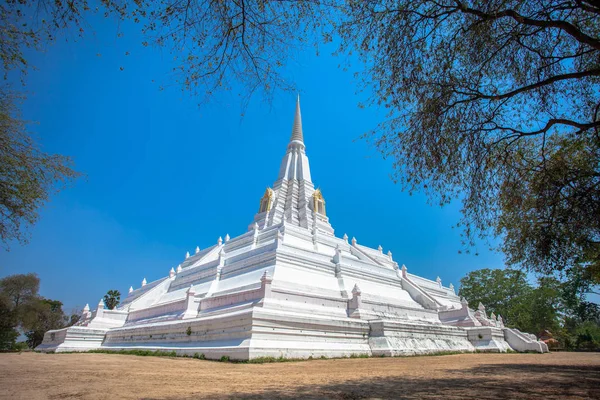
<point x="488" y="381"/>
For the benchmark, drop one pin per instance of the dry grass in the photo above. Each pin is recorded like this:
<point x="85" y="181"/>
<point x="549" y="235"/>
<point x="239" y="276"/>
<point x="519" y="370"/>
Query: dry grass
<point x="464" y="376"/>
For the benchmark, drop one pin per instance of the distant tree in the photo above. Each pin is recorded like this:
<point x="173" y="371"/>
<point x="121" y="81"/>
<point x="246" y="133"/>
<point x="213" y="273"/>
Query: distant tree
<point x="22" y="309"/>
<point x="112" y="299"/>
<point x="8" y="323"/>
<point x="73" y="318"/>
<point x="20" y="289"/>
<point x="543" y="307"/>
<point x="587" y="336"/>
<point x="16" y="292"/>
<point x="502" y="291"/>
<point x="41" y="316"/>
<point x="495" y="103"/>
<point x="560" y="307"/>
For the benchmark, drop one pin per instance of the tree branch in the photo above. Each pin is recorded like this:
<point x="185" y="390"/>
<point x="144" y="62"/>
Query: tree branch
<point x="562" y="25"/>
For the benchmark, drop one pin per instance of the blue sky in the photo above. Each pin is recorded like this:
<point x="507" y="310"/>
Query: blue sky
<point x="164" y="176"/>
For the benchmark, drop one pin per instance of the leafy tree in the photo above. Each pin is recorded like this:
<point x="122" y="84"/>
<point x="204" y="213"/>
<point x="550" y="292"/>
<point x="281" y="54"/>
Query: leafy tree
<point x="21" y="308"/>
<point x="16" y="292"/>
<point x="41" y="316"/>
<point x="550" y="305"/>
<point x="8" y="322"/>
<point x="495" y="103"/>
<point x="588" y="336"/>
<point x="20" y="289"/>
<point x="112" y="299"/>
<point x="543" y="307"/>
<point x="502" y="291"/>
<point x="28" y="175"/>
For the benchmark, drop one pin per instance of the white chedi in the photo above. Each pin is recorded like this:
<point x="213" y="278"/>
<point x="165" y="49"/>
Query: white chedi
<point x="290" y="287"/>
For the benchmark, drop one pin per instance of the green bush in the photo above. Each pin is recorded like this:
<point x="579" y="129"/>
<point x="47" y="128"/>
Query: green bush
<point x="588" y="336"/>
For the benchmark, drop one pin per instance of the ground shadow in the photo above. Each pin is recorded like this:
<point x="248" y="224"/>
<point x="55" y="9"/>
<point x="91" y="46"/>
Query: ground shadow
<point x="488" y="381"/>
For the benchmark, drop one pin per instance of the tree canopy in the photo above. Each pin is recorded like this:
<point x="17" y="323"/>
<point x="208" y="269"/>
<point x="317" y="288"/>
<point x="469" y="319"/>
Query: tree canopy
<point x="560" y="307"/>
<point x="28" y="175"/>
<point x="112" y="299"/>
<point x="494" y="103"/>
<point x="23" y="310"/>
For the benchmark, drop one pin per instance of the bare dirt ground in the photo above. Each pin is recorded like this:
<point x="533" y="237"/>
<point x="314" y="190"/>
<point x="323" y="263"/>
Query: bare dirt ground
<point x="464" y="376"/>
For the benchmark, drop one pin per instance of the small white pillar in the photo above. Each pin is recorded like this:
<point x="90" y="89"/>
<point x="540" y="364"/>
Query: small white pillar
<point x="404" y="270"/>
<point x="179" y="268"/>
<point x="345" y="237"/>
<point x="197" y="249"/>
<point x="451" y="287"/>
<point x="389" y="254"/>
<point x="227" y="238"/>
<point x="464" y="303"/>
<point x="191" y="308"/>
<point x="144" y="282"/>
<point x="380" y="249"/>
<point x="220" y="240"/>
<point x="337" y="257"/>
<point x="100" y="310"/>
<point x="255" y="234"/>
<point x="172" y="273"/>
<point x="481" y="310"/>
<point x="353" y="241"/>
<point x="265" y="284"/>
<point x="439" y="281"/>
<point x="187" y="255"/>
<point x="130" y="289"/>
<point x="356" y="301"/>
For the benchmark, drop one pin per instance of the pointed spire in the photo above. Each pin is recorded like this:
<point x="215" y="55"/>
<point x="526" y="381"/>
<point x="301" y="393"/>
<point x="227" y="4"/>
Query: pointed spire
<point x="179" y="268"/>
<point x="297" y="129"/>
<point x="380" y="249"/>
<point x="86" y="308"/>
<point x="219" y="241"/>
<point x="227" y="238"/>
<point x="345" y="238"/>
<point x="187" y="254"/>
<point x="172" y="272"/>
<point x="130" y="289"/>
<point x="144" y="282"/>
<point x="197" y="249"/>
